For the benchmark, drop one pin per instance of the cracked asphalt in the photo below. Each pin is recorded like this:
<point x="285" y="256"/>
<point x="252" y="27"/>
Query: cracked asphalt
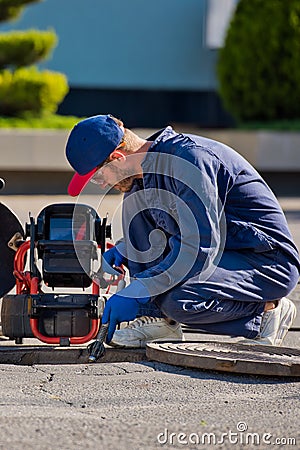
<point x="143" y="404"/>
<point x="139" y="406"/>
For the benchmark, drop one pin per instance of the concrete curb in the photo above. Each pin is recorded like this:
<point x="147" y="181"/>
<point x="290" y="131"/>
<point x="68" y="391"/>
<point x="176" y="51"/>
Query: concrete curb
<point x="46" y="354"/>
<point x="44" y="149"/>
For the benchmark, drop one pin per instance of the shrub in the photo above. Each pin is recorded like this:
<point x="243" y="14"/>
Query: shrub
<point x="27" y="89"/>
<point x="11" y="9"/>
<point x="23" y="48"/>
<point x="53" y="121"/>
<point x="259" y="65"/>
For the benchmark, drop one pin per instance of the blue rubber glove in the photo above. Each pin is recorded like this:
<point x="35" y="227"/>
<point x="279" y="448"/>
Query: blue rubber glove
<point x="124" y="306"/>
<point x="115" y="256"/>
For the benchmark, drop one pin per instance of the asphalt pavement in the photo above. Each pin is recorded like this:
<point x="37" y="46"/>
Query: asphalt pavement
<point x="130" y="402"/>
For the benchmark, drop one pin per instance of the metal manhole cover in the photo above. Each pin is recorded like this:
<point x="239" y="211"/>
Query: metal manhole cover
<point x="237" y="358"/>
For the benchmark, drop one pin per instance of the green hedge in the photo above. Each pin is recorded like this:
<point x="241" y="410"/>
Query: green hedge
<point x="28" y="89"/>
<point x="24" y="48"/>
<point x="11" y="9"/>
<point x="259" y="65"/>
<point x="45" y="121"/>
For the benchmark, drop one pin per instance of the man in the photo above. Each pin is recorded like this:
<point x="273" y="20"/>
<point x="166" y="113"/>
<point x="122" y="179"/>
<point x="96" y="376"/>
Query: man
<point x="205" y="240"/>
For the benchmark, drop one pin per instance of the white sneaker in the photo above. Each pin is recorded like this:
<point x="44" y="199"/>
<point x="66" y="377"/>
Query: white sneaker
<point x="146" y="329"/>
<point x="275" y="323"/>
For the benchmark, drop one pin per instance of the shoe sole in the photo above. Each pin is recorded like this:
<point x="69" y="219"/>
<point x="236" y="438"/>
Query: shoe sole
<point x="116" y="345"/>
<point x="142" y="344"/>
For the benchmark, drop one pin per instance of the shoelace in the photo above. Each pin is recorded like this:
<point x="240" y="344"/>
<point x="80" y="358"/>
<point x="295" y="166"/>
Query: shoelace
<point x="144" y="320"/>
<point x="263" y="322"/>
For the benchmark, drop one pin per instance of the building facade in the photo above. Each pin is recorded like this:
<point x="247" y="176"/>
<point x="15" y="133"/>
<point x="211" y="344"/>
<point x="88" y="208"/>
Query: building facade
<point x="147" y="62"/>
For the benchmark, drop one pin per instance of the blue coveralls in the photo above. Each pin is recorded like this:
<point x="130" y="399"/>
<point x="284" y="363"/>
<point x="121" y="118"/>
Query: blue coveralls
<point x="207" y="236"/>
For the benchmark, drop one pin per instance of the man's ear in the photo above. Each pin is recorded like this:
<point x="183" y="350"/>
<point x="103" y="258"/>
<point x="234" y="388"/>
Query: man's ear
<point x="117" y="154"/>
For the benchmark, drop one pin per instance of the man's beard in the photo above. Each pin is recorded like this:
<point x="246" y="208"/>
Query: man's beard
<point x="125" y="177"/>
<point x="125" y="185"/>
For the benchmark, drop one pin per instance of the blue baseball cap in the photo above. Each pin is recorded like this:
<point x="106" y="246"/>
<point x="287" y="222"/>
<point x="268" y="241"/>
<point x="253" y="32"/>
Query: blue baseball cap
<point x="90" y="142"/>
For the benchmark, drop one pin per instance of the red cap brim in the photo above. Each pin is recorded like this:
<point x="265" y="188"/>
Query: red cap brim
<point x="78" y="182"/>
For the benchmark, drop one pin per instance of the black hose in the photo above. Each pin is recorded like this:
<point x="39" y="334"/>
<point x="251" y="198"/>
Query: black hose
<point x="96" y="349"/>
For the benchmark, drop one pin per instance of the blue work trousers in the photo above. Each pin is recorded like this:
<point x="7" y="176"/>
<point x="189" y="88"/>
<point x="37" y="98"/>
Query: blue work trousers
<point x="232" y="300"/>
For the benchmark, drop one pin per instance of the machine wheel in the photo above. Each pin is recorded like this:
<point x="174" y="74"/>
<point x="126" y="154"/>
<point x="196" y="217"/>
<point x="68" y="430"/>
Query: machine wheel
<point x="14" y="316"/>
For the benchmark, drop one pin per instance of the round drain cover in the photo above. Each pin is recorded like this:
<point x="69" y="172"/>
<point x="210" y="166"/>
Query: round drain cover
<point x="236" y="358"/>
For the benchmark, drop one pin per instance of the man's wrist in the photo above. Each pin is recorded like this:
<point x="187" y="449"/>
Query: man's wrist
<point x="137" y="290"/>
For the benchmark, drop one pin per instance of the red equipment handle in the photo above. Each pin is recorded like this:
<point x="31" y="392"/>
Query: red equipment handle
<point x="23" y="280"/>
<point x="24" y="283"/>
<point x="73" y="340"/>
